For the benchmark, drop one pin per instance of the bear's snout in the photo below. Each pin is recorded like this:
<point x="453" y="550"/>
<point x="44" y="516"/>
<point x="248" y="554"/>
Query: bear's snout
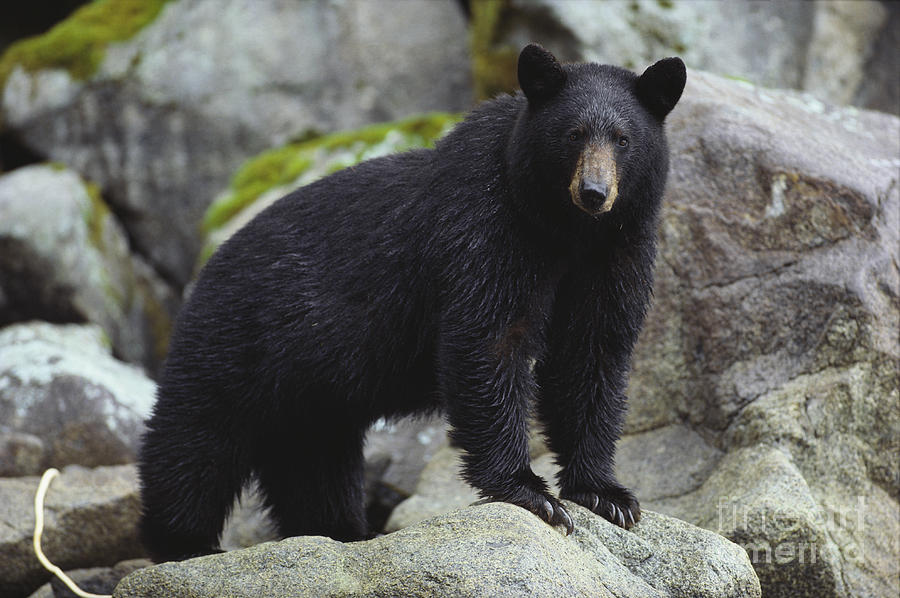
<point x="594" y="185"/>
<point x="594" y="195"/>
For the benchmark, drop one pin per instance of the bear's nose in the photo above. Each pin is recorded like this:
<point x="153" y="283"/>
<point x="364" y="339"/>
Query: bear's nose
<point x="594" y="194"/>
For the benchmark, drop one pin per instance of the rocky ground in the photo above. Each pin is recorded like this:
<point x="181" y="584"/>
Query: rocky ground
<point x="764" y="425"/>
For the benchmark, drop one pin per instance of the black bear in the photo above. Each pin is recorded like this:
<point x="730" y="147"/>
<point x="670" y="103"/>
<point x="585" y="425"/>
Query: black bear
<point x="511" y="265"/>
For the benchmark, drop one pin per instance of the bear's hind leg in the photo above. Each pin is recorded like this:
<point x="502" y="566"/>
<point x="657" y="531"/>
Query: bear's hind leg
<point x="190" y="478"/>
<point x="313" y="482"/>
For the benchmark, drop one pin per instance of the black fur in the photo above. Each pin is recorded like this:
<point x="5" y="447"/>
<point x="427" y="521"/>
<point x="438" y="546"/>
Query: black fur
<point x="428" y="280"/>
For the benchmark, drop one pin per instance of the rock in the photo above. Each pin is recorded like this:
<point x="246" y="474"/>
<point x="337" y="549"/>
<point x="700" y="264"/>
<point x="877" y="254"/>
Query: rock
<point x="396" y="453"/>
<point x="880" y="88"/>
<point x="440" y="489"/>
<point x="97" y="580"/>
<point x="487" y="550"/>
<point x="20" y="454"/>
<point x="161" y="109"/>
<point x="64" y="257"/>
<point x="90" y="519"/>
<point x="826" y="48"/>
<point x="60" y="384"/>
<point x="765" y="382"/>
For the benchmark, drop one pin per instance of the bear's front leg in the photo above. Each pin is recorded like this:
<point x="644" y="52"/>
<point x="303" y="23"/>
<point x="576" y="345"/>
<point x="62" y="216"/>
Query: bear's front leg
<point x="582" y="403"/>
<point x="582" y="430"/>
<point x="486" y="390"/>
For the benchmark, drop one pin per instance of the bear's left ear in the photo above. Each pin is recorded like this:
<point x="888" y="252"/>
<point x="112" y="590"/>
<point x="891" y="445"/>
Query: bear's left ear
<point x="660" y="87"/>
<point x="541" y="76"/>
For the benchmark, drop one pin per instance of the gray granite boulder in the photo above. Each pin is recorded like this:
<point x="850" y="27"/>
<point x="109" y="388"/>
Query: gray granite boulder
<point x="773" y="342"/>
<point x="491" y="550"/>
<point x="90" y="518"/>
<point x="20" y="453"/>
<point x="168" y="109"/>
<point x="60" y="386"/>
<point x="64" y="257"/>
<point x="841" y="52"/>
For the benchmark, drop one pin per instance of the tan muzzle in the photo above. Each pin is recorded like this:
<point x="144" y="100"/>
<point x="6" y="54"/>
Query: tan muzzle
<point x="594" y="185"/>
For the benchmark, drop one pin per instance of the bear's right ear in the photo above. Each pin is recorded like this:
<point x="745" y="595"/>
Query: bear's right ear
<point x="541" y="76"/>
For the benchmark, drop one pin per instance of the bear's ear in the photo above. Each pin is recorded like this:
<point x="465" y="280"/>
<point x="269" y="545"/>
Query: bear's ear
<point x="541" y="76"/>
<point x="660" y="87"/>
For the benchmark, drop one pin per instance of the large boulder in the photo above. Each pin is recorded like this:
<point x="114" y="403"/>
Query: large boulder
<point x="65" y="400"/>
<point x="159" y="107"/>
<point x="90" y="518"/>
<point x="839" y="51"/>
<point x="64" y="257"/>
<point x="769" y="361"/>
<point x="487" y="550"/>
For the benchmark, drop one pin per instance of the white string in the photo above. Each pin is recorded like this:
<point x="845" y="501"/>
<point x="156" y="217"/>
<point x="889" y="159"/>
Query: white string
<point x="39" y="529"/>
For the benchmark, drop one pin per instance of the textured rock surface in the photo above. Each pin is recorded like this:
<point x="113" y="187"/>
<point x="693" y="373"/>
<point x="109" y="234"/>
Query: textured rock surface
<point x="20" y="454"/>
<point x="64" y="257"/>
<point x="774" y="338"/>
<point x="487" y="550"/>
<point x="59" y="384"/>
<point x="170" y="113"/>
<point x="89" y="520"/>
<point x="97" y="580"/>
<point x="827" y="48"/>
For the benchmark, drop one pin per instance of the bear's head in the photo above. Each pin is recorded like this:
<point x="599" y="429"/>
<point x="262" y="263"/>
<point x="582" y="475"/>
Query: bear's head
<point x="594" y="132"/>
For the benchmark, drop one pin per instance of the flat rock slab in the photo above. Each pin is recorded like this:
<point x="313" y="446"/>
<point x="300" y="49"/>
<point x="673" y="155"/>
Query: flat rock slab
<point x="90" y="518"/>
<point x="490" y="550"/>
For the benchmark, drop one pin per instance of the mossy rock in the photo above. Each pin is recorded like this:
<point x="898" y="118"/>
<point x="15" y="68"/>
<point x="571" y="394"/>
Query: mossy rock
<point x="493" y="64"/>
<point x="78" y="44"/>
<point x="272" y="173"/>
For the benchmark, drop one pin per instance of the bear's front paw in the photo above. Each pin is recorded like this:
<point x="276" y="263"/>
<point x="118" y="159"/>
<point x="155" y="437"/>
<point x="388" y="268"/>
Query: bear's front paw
<point x="552" y="511"/>
<point x="615" y="504"/>
<point x="540" y="503"/>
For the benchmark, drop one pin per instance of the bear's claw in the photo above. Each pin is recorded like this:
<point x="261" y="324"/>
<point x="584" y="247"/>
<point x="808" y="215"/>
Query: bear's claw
<point x="555" y="514"/>
<point x="615" y="504"/>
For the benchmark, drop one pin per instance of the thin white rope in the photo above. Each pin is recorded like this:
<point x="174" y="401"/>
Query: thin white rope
<point x="39" y="529"/>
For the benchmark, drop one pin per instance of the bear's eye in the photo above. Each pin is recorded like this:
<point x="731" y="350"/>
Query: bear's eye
<point x="574" y="136"/>
<point x="623" y="141"/>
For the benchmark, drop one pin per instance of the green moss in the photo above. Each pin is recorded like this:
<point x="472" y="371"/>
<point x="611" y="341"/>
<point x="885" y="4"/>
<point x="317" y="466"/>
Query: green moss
<point x="739" y="78"/>
<point x="493" y="65"/>
<point x="96" y="216"/>
<point x="286" y="164"/>
<point x="78" y="44"/>
<point x="159" y="322"/>
<point x="665" y="3"/>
